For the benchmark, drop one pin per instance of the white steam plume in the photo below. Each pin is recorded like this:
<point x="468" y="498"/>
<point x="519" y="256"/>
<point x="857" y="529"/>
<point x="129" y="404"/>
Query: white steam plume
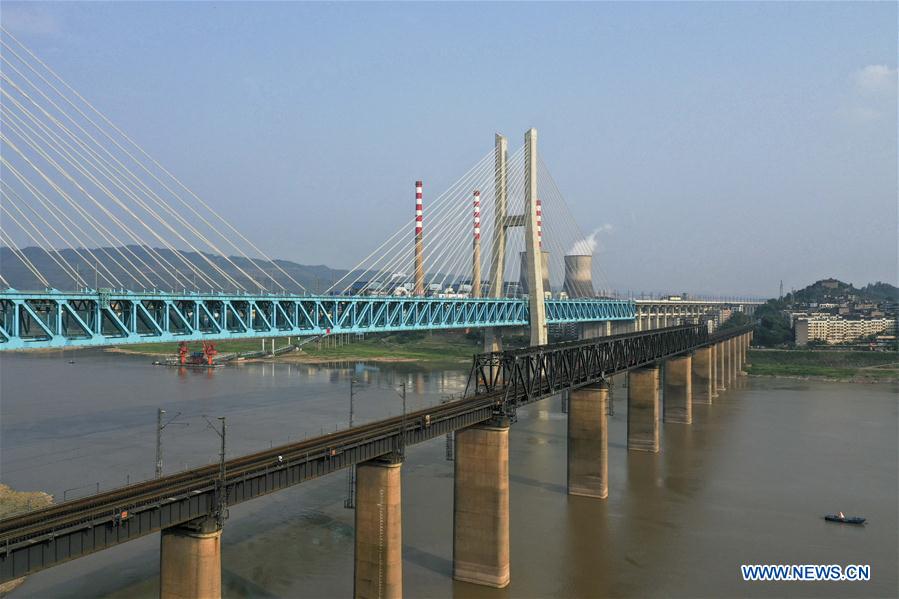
<point x="588" y="245"/>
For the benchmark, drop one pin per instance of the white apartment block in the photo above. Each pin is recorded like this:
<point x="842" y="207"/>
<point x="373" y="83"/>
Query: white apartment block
<point x="835" y="329"/>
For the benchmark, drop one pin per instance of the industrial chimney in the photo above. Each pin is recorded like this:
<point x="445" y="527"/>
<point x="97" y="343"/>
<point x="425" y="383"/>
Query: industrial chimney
<point x="476" y="248"/>
<point x="419" y="244"/>
<point x="578" y="276"/>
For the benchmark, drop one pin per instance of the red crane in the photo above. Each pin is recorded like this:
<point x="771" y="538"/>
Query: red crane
<point x="207" y="356"/>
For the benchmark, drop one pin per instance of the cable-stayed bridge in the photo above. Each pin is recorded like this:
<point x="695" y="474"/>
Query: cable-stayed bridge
<point x="117" y="250"/>
<point x="113" y="249"/>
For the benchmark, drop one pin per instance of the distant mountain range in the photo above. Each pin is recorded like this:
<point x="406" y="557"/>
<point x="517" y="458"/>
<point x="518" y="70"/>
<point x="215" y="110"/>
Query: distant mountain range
<point x="144" y="262"/>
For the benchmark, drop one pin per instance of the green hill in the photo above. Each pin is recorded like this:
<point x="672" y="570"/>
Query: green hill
<point x="773" y="328"/>
<point x="833" y="290"/>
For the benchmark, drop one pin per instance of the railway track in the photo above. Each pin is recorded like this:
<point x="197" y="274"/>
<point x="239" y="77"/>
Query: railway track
<point x="37" y="540"/>
<point x="152" y="492"/>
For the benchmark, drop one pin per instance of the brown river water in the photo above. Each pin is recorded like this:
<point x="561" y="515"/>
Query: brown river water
<point x="746" y="483"/>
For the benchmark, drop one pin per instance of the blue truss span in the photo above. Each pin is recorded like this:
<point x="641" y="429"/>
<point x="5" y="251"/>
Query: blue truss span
<point x="94" y="318"/>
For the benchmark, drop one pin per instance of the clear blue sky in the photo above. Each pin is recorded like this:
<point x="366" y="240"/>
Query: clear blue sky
<point x="726" y="146"/>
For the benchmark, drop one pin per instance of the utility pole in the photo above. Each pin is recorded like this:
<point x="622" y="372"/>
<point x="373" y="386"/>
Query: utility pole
<point x="610" y="410"/>
<point x="403" y="435"/>
<point x="450" y="439"/>
<point x="223" y="500"/>
<point x="159" y="413"/>
<point x="220" y="492"/>
<point x="350" y="501"/>
<point x="159" y="427"/>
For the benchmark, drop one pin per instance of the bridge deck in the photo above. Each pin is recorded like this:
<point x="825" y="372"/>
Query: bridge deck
<point x="43" y="538"/>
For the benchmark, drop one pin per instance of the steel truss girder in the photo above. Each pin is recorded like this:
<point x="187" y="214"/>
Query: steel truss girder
<point x="533" y="373"/>
<point x="34" y="541"/>
<point x="59" y="319"/>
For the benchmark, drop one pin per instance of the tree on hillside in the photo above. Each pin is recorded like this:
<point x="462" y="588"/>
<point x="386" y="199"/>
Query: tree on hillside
<point x="880" y="291"/>
<point x="737" y="319"/>
<point x="773" y="328"/>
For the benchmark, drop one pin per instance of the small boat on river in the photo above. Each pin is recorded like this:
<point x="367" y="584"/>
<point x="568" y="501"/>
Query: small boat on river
<point x="842" y="519"/>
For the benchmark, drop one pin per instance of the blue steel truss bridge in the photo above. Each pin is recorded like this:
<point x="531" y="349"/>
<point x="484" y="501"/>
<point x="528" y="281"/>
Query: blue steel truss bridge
<point x="58" y="319"/>
<point x="122" y="252"/>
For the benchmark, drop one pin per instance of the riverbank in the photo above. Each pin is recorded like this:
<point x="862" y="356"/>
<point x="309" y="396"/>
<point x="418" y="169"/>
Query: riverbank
<point x="443" y="347"/>
<point x="18" y="502"/>
<point x="825" y="365"/>
<point x="457" y="347"/>
<point x="171" y="349"/>
<point x="432" y="348"/>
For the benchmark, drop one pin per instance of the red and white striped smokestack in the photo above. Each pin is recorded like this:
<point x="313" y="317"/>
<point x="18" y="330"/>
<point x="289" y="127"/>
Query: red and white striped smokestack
<point x="418" y="210"/>
<point x="539" y="223"/>
<point x="476" y="251"/>
<point x="419" y="243"/>
<point x="477" y="214"/>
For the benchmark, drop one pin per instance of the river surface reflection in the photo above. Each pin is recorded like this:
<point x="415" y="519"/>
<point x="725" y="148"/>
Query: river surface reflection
<point x="746" y="483"/>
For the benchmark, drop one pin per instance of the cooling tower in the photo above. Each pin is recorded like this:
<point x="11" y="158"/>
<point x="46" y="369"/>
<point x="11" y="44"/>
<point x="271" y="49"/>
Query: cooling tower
<point x="523" y="276"/>
<point x="578" y="276"/>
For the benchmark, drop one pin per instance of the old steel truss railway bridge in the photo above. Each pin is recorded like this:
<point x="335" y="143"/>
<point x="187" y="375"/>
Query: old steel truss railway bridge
<point x="499" y="383"/>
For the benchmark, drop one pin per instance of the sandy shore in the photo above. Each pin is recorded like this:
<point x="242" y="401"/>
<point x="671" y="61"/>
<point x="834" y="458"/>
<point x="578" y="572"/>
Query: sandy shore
<point x="302" y="358"/>
<point x="125" y="350"/>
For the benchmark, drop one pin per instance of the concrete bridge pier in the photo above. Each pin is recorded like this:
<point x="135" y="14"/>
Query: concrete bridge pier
<point x="721" y="361"/>
<point x="748" y="346"/>
<point x="728" y="363"/>
<point x="481" y="504"/>
<point x="191" y="561"/>
<point x="703" y="376"/>
<point x="379" y="529"/>
<point x="588" y="441"/>
<point x="678" y="395"/>
<point x="643" y="409"/>
<point x="744" y="344"/>
<point x="734" y="360"/>
<point x="713" y="357"/>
